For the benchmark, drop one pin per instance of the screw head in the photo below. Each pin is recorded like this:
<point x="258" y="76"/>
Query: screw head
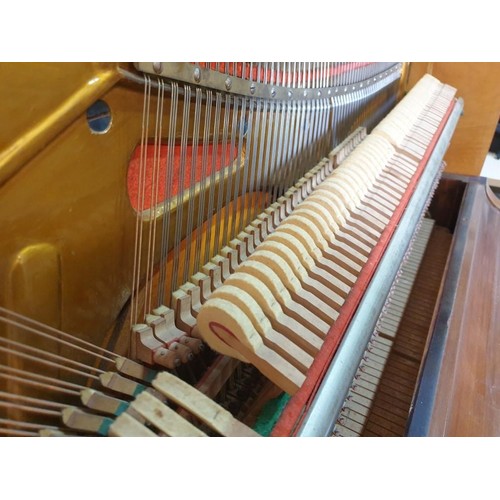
<point x="197" y="75"/>
<point x="252" y="88"/>
<point x="290" y="94"/>
<point x="158" y="67"/>
<point x="273" y="92"/>
<point x="228" y="83"/>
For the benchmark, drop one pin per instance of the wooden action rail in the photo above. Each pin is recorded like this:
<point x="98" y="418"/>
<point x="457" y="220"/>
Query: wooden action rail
<point x="311" y="261"/>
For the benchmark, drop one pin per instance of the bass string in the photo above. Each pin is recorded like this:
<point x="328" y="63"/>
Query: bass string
<point x="189" y="264"/>
<point x="140" y="204"/>
<point x="26" y="377"/>
<point x="283" y="159"/>
<point x="265" y="178"/>
<point x="55" y="335"/>
<point x="214" y="177"/>
<point x="179" y="221"/>
<point x="311" y="135"/>
<point x="41" y="361"/>
<point x="230" y="165"/>
<point x="320" y="146"/>
<point x="27" y="399"/>
<point x="221" y="173"/>
<point x="305" y="136"/>
<point x="18" y="428"/>
<point x="201" y="236"/>
<point x="30" y="409"/>
<point x="155" y="193"/>
<point x="252" y="143"/>
<point x="299" y="138"/>
<point x="41" y="354"/>
<point x="290" y="174"/>
<point x="168" y="201"/>
<point x="277" y="137"/>
<point x="246" y="125"/>
<point x="17" y="433"/>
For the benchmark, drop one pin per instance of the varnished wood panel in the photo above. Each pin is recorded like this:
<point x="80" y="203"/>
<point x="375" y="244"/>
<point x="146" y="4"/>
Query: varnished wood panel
<point x="447" y="200"/>
<point x="467" y="401"/>
<point x="479" y="85"/>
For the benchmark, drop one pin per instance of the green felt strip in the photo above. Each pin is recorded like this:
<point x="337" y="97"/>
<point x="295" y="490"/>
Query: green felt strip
<point x="121" y="408"/>
<point x="104" y="427"/>
<point x="150" y="375"/>
<point x="270" y="414"/>
<point x="139" y="388"/>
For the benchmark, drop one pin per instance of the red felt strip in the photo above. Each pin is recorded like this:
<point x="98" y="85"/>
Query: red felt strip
<point x="294" y="412"/>
<point x="154" y="185"/>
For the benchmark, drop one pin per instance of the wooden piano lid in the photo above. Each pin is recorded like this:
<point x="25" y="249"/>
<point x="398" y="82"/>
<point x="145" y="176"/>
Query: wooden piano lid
<point x="459" y="391"/>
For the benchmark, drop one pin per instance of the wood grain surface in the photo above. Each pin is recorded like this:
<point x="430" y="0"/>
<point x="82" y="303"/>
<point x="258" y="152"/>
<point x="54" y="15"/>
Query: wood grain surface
<point x="479" y="86"/>
<point x="391" y="406"/>
<point x="468" y="392"/>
